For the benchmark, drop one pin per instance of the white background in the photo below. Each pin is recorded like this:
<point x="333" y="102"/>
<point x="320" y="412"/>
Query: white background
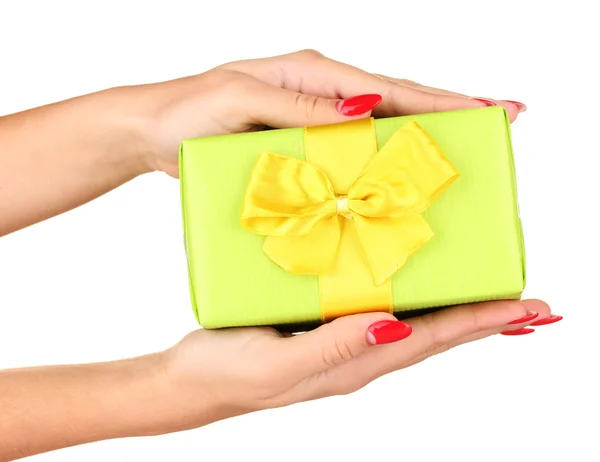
<point x="108" y="280"/>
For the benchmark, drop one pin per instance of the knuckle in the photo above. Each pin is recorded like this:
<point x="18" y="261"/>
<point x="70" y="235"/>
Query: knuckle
<point x="517" y="306"/>
<point x="236" y="83"/>
<point x="309" y="54"/>
<point x="336" y="352"/>
<point x="410" y="83"/>
<point x="442" y="348"/>
<point x="434" y="102"/>
<point x="392" y="92"/>
<point x="308" y="103"/>
<point x="475" y="324"/>
<point x="348" y="386"/>
<point x="478" y="319"/>
<point x="430" y="326"/>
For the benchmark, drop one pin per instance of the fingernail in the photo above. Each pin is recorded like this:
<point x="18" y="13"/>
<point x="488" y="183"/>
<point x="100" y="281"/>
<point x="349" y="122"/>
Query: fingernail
<point x="358" y="104"/>
<point x="487" y="102"/>
<point x="549" y="320"/>
<point x="530" y="315"/>
<point x="387" y="332"/>
<point x="522" y="331"/>
<point x="520" y="106"/>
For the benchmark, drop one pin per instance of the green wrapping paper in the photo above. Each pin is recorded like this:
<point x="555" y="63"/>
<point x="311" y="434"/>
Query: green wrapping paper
<point x="476" y="253"/>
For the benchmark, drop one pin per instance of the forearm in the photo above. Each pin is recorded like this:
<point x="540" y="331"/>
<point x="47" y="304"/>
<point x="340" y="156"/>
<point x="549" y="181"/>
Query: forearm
<point x="47" y="408"/>
<point x="57" y="157"/>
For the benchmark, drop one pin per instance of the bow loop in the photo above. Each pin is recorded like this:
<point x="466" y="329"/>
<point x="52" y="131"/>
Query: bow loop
<point x="286" y="197"/>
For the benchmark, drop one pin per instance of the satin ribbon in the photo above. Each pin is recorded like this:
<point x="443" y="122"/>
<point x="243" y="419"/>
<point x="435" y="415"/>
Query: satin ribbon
<point x="348" y="213"/>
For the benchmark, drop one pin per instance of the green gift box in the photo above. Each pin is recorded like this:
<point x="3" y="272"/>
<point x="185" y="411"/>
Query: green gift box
<point x="475" y="251"/>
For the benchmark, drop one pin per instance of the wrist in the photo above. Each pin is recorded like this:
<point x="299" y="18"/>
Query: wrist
<point x="134" y="396"/>
<point x="130" y="131"/>
<point x="192" y="395"/>
<point x="156" y="399"/>
<point x="147" y="120"/>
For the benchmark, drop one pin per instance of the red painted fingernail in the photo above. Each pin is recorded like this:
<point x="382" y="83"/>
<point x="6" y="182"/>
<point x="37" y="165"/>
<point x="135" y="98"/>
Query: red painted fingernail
<point x="522" y="331"/>
<point x="520" y="106"/>
<point x="487" y="102"/>
<point x="358" y="104"/>
<point x="549" y="320"/>
<point x="530" y="315"/>
<point x="387" y="332"/>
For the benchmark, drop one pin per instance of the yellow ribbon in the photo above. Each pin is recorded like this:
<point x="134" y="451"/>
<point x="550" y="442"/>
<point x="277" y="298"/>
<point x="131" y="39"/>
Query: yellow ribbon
<point x="350" y="215"/>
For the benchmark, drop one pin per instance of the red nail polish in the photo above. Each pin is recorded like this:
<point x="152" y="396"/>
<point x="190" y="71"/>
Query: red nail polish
<point x="487" y="102"/>
<point x="530" y="315"/>
<point x="549" y="320"/>
<point x="358" y="104"/>
<point x="520" y="106"/>
<point x="387" y="332"/>
<point x="522" y="331"/>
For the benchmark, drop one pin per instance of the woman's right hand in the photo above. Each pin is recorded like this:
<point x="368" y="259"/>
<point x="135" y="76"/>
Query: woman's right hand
<point x="216" y="374"/>
<point x="293" y="90"/>
<point x="118" y="134"/>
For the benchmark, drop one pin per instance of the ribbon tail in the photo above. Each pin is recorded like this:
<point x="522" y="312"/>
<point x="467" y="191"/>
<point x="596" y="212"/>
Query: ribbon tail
<point x="312" y="253"/>
<point x="389" y="241"/>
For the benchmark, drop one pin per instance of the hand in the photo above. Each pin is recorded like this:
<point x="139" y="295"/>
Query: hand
<point x="215" y="374"/>
<point x="298" y="89"/>
<point x="118" y="134"/>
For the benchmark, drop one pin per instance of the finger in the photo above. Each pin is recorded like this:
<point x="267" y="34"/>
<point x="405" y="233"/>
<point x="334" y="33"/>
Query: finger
<point x="487" y="319"/>
<point x="281" y="108"/>
<point x="311" y="73"/>
<point x="340" y="341"/>
<point x="345" y="80"/>
<point x="537" y="308"/>
<point x="441" y="328"/>
<point x="432" y="332"/>
<point x="315" y="74"/>
<point x="414" y="99"/>
<point x="374" y="363"/>
<point x="513" y="108"/>
<point x="533" y="306"/>
<point x="418" y="86"/>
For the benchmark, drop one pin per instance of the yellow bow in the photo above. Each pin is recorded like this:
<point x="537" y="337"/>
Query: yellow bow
<point x="295" y="205"/>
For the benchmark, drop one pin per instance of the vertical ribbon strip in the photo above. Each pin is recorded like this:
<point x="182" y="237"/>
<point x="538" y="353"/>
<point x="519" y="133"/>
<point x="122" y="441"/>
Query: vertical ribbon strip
<point x="342" y="152"/>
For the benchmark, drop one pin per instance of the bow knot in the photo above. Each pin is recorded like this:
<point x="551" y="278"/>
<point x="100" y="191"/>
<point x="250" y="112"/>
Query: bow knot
<point x="343" y="207"/>
<point x="294" y="204"/>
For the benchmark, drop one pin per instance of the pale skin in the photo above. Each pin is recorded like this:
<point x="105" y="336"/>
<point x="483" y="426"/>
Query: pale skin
<point x="57" y="157"/>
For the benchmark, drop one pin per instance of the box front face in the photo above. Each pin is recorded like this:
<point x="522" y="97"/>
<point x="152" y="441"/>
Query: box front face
<point x="476" y="253"/>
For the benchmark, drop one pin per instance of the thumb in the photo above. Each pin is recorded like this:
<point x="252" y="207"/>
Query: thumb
<point x="281" y="108"/>
<point x="341" y="341"/>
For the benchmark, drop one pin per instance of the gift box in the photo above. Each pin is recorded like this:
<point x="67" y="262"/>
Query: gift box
<point x="295" y="227"/>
